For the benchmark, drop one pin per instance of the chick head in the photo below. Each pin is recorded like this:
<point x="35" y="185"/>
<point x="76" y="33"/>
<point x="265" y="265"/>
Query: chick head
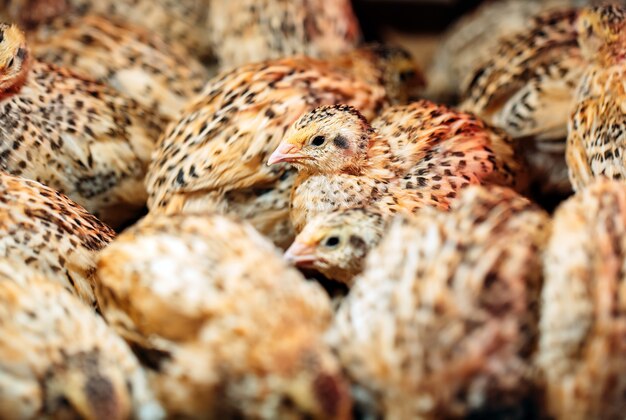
<point x="14" y="58"/>
<point x="328" y="139"/>
<point x="602" y="33"/>
<point x="84" y="386"/>
<point x="336" y="244"/>
<point x="401" y="75"/>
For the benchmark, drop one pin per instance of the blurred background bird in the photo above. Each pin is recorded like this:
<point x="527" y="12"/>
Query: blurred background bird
<point x="596" y="144"/>
<point x="442" y="322"/>
<point x="46" y="231"/>
<point x="182" y="22"/>
<point x="217" y="151"/>
<point x="527" y="88"/>
<point x="246" y="31"/>
<point x="60" y="360"/>
<point x="73" y="134"/>
<point x="239" y="332"/>
<point x="581" y="352"/>
<point x="133" y="60"/>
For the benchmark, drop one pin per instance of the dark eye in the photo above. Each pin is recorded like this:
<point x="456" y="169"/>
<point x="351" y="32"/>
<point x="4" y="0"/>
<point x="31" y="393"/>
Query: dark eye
<point x="10" y="64"/>
<point x="332" y="242"/>
<point x="318" y="140"/>
<point x="407" y="75"/>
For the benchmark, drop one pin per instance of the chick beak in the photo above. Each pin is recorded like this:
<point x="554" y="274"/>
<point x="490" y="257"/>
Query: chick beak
<point x="300" y="254"/>
<point x="286" y="152"/>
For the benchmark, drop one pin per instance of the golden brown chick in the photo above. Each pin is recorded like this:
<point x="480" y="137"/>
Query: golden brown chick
<point x="129" y="58"/>
<point x="421" y="154"/>
<point x="46" y="231"/>
<point x="471" y="40"/>
<point x="246" y="31"/>
<point x="182" y="22"/>
<point x="442" y="322"/>
<point x="581" y="352"/>
<point x="216" y="153"/>
<point x="73" y="134"/>
<point x="596" y="143"/>
<point x="60" y="360"/>
<point x="237" y="331"/>
<point x="336" y="244"/>
<point x="527" y="88"/>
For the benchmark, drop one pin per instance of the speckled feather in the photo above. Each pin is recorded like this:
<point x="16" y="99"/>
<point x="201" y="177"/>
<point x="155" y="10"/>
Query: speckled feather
<point x="60" y="360"/>
<point x="51" y="234"/>
<point x="470" y="42"/>
<point x="73" y="134"/>
<point x="528" y="85"/>
<point x="221" y="143"/>
<point x="581" y="352"/>
<point x="134" y="61"/>
<point x="441" y="322"/>
<point x="596" y="143"/>
<point x="183" y="22"/>
<point x="237" y="329"/>
<point x="246" y="31"/>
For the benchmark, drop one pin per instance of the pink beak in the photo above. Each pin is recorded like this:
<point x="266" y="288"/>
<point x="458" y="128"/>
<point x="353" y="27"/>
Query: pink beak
<point x="300" y="254"/>
<point x="285" y="152"/>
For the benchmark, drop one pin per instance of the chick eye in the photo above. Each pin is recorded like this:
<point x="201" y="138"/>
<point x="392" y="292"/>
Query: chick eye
<point x="407" y="75"/>
<point x="332" y="242"/>
<point x="318" y="140"/>
<point x="10" y="64"/>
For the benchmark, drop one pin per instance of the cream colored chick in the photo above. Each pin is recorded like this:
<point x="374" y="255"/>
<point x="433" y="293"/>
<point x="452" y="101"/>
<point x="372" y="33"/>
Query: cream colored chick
<point x="227" y="326"/>
<point x="442" y="322"/>
<point x="581" y="352"/>
<point x="60" y="360"/>
<point x="73" y="134"/>
<point x="337" y="243"/>
<point x="50" y="234"/>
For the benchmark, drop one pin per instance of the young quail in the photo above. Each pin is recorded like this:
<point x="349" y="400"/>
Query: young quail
<point x="581" y="352"/>
<point x="133" y="60"/>
<point x="441" y="324"/>
<point x="528" y="87"/>
<point x="49" y="233"/>
<point x="421" y="154"/>
<point x="246" y="31"/>
<point x="73" y="134"/>
<point x="229" y="327"/>
<point x="596" y="144"/>
<point x="60" y="360"/>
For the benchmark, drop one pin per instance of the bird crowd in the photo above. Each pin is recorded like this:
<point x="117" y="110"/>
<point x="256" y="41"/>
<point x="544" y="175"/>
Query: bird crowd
<point x="215" y="209"/>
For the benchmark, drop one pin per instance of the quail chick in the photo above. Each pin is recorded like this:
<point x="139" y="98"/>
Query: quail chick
<point x="60" y="360"/>
<point x="246" y="31"/>
<point x="470" y="41"/>
<point x="73" y="134"/>
<point x="336" y="244"/>
<point x="132" y="60"/>
<point x="51" y="234"/>
<point x="215" y="155"/>
<point x="183" y="22"/>
<point x="581" y="352"/>
<point x="527" y="88"/>
<point x="421" y="154"/>
<point x="442" y="321"/>
<point x="596" y="143"/>
<point x="238" y="331"/>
